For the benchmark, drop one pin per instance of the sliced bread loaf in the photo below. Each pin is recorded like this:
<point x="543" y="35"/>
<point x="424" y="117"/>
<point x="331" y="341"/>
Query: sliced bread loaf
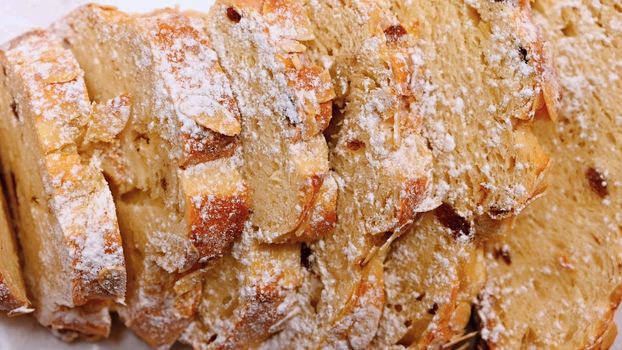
<point x="13" y="298"/>
<point x="60" y="202"/>
<point x="174" y="167"/>
<point x="554" y="280"/>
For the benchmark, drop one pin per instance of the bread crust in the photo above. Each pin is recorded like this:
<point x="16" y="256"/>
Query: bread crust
<point x="13" y="298"/>
<point x="10" y="302"/>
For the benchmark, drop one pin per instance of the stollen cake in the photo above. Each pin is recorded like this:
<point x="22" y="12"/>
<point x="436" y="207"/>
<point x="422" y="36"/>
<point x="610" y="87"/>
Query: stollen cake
<point x="175" y="166"/>
<point x="285" y="102"/>
<point x="554" y="280"/>
<point x="59" y="200"/>
<point x="13" y="298"/>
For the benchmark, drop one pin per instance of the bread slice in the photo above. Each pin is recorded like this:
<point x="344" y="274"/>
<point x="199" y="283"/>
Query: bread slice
<point x="286" y="101"/>
<point x="59" y="199"/>
<point x="174" y="168"/>
<point x="377" y="150"/>
<point x="13" y="298"/>
<point x="554" y="280"/>
<point x="488" y="72"/>
<point x="285" y="104"/>
<point x="495" y="75"/>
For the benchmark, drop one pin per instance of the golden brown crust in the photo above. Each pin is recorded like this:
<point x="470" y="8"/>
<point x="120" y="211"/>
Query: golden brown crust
<point x="89" y="322"/>
<point x="550" y="95"/>
<point x="216" y="222"/>
<point x="10" y="302"/>
<point x="258" y="316"/>
<point x="355" y="325"/>
<point x="319" y="216"/>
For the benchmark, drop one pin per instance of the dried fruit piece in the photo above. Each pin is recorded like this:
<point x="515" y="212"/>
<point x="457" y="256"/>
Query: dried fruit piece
<point x="233" y="15"/>
<point x="394" y="33"/>
<point x="451" y="220"/>
<point x="598" y="182"/>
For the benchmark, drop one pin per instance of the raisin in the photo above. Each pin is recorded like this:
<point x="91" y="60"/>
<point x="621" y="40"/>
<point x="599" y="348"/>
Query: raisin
<point x="233" y="15"/>
<point x="14" y="110"/>
<point x="420" y="297"/>
<point x="451" y="220"/>
<point x="597" y="182"/>
<point x="394" y="33"/>
<point x="354" y="145"/>
<point x="503" y="253"/>
<point x="433" y="309"/>
<point x="305" y="254"/>
<point x="496" y="212"/>
<point x="523" y="54"/>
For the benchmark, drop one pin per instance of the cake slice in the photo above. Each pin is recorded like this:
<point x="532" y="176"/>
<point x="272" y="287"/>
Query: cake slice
<point x="378" y="151"/>
<point x="13" y="298"/>
<point x="285" y="101"/>
<point x="175" y="166"/>
<point x="59" y="200"/>
<point x="489" y="74"/>
<point x="554" y="280"/>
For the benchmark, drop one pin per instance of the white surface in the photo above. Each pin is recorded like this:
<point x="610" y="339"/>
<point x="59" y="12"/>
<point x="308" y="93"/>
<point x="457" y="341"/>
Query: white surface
<point x="16" y="17"/>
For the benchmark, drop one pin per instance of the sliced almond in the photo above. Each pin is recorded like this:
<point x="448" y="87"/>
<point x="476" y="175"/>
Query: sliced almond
<point x="107" y="120"/>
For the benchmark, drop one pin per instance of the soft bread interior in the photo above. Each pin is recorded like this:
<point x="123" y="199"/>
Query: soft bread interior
<point x="554" y="279"/>
<point x="12" y="291"/>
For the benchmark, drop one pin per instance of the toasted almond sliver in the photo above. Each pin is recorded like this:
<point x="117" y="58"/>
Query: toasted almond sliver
<point x="223" y="122"/>
<point x="291" y="46"/>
